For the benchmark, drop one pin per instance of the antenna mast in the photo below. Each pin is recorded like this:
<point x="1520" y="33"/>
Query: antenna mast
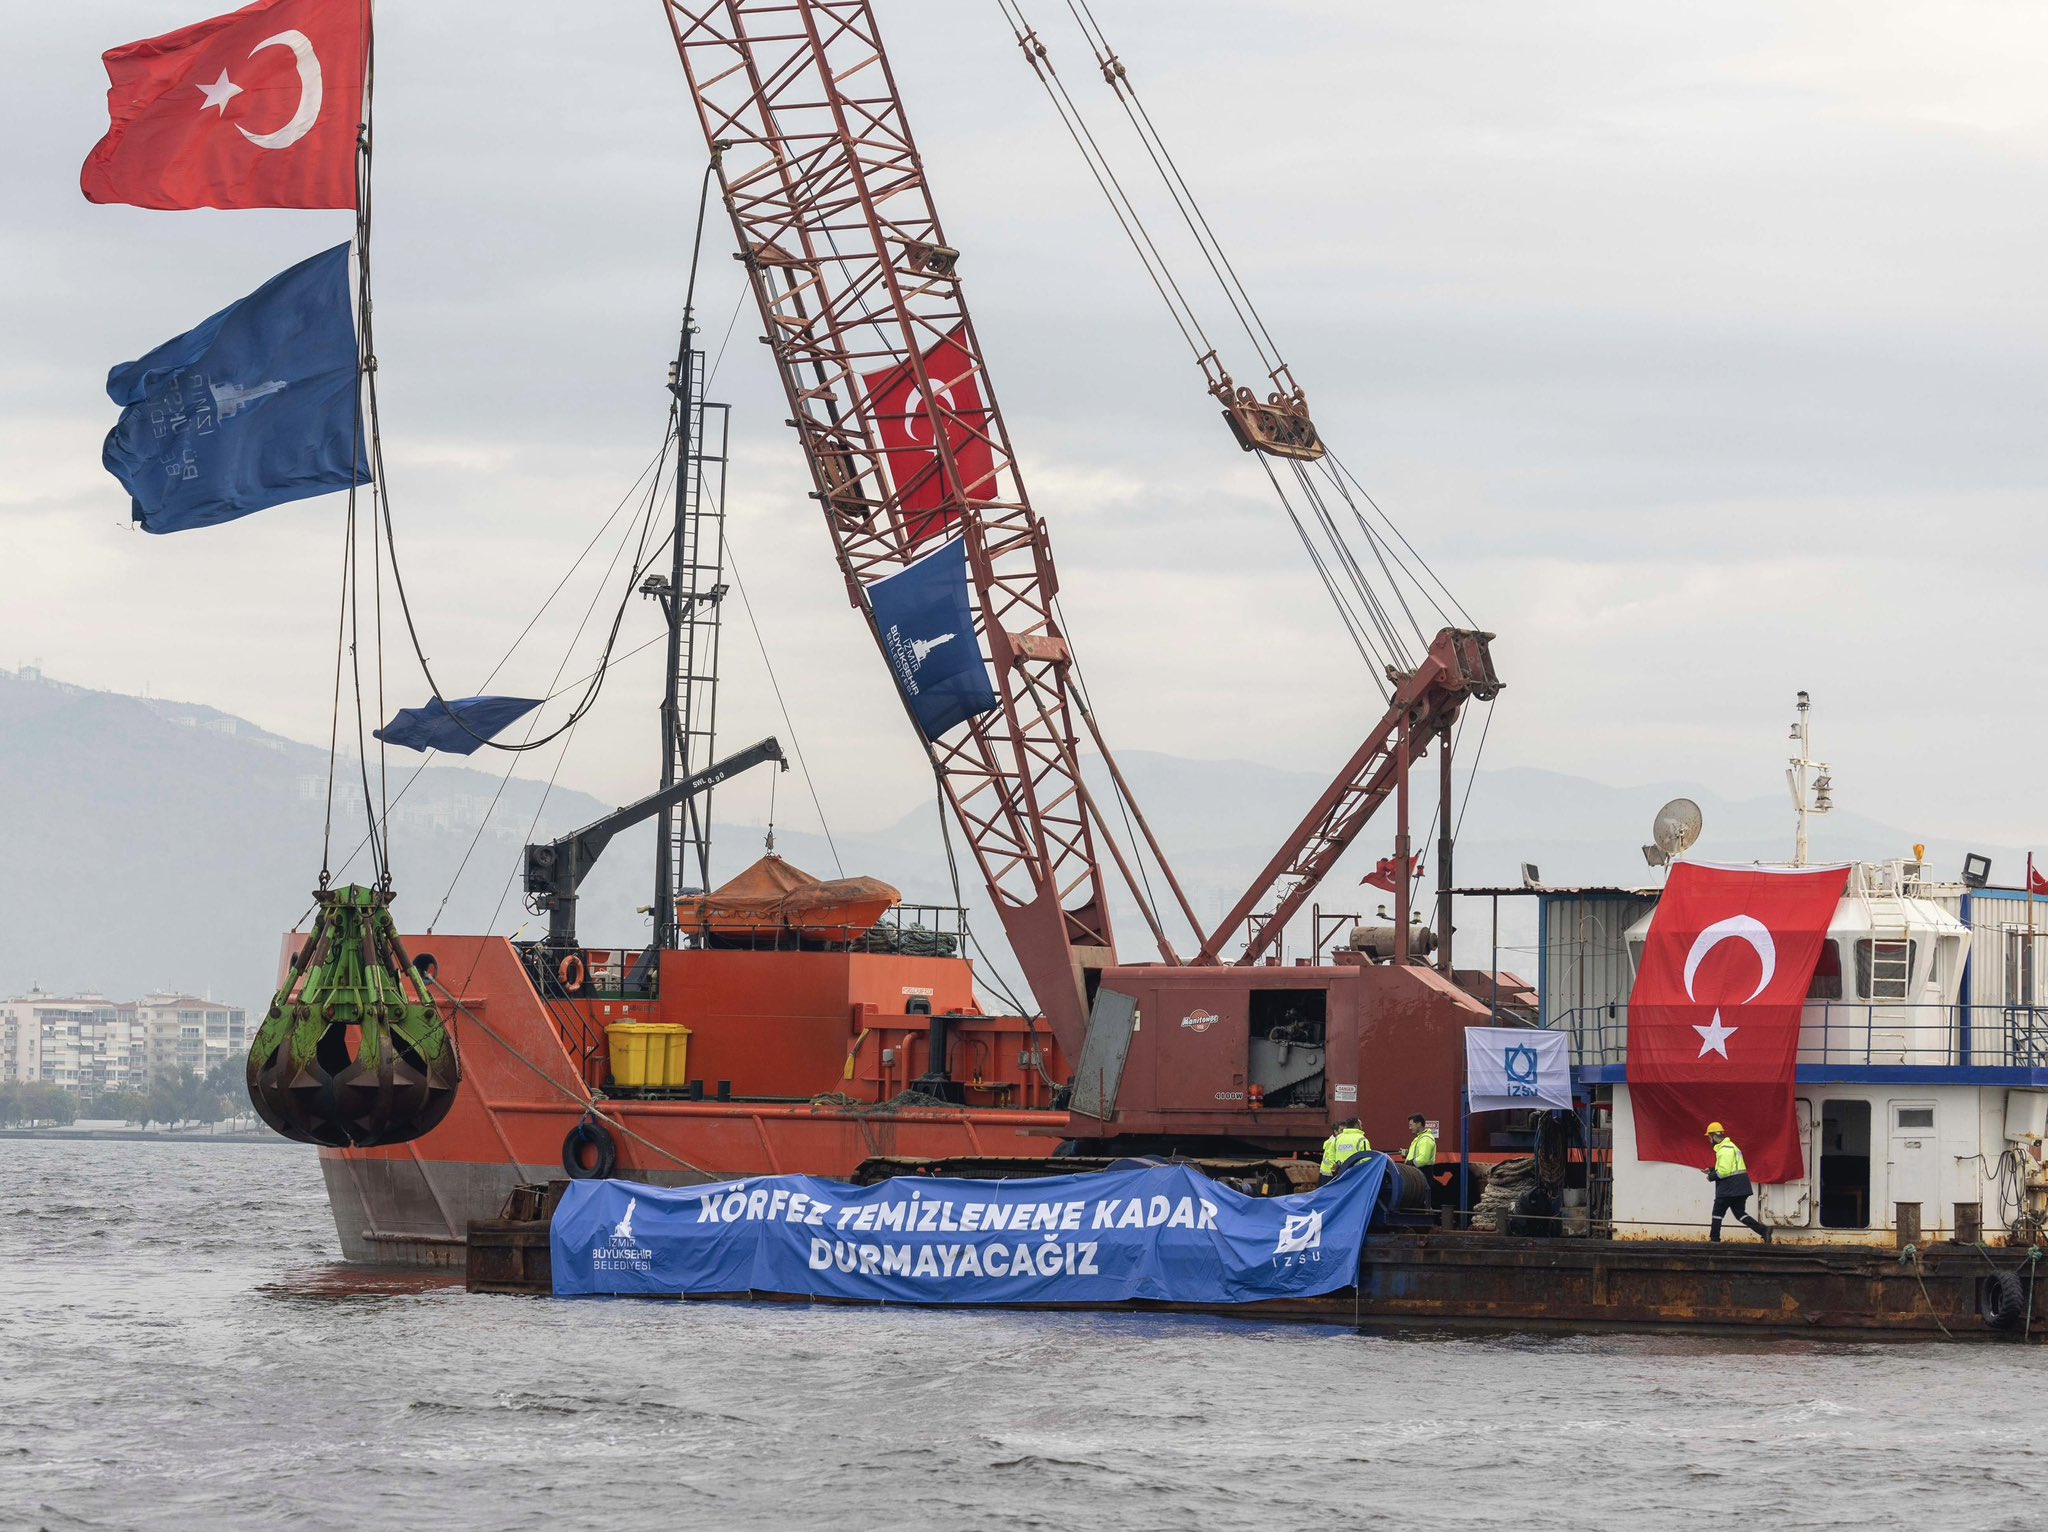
<point x="1797" y="776"/>
<point x="690" y="598"/>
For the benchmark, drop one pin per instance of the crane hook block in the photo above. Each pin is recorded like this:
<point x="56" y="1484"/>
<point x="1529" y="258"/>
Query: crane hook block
<point x="353" y="1051"/>
<point x="1278" y="425"/>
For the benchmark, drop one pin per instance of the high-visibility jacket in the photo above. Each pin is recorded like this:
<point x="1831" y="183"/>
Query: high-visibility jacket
<point x="1422" y="1148"/>
<point x="1342" y="1147"/>
<point x="1728" y="1160"/>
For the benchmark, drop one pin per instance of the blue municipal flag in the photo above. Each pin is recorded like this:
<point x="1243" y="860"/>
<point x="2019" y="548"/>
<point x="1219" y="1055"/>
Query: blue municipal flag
<point x="926" y="618"/>
<point x="255" y="407"/>
<point x="457" y="725"/>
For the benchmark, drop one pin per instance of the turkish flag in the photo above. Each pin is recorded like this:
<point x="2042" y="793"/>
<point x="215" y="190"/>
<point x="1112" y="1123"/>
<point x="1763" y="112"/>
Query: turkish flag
<point x="2036" y="883"/>
<point x="1386" y="873"/>
<point x="1713" y="1020"/>
<point x="908" y="422"/>
<point x="258" y="108"/>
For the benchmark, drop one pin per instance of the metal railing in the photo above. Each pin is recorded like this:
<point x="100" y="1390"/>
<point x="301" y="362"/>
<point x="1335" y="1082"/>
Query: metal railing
<point x="909" y="930"/>
<point x="1860" y="1033"/>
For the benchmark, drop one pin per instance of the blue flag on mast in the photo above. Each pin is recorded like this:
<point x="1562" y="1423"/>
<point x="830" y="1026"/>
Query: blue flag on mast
<point x="925" y="616"/>
<point x="456" y="726"/>
<point x="255" y="407"/>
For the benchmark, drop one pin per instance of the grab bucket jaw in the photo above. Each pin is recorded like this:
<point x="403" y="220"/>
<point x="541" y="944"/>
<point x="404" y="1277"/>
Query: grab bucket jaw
<point x="353" y="1051"/>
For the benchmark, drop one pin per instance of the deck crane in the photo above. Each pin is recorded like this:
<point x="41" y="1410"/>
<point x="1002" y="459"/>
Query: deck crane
<point x="863" y="307"/>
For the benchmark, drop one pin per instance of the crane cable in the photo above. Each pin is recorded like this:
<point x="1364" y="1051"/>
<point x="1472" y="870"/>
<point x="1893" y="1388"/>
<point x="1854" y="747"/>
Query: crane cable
<point x="1359" y="608"/>
<point x="1176" y="185"/>
<point x="348" y="625"/>
<point x="1040" y="60"/>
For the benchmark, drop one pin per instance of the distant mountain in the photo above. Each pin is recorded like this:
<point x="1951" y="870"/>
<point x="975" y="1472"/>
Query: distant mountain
<point x="163" y="845"/>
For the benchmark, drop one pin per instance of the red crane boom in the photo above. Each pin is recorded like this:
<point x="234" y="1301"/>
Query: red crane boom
<point x="862" y="305"/>
<point x="860" y="296"/>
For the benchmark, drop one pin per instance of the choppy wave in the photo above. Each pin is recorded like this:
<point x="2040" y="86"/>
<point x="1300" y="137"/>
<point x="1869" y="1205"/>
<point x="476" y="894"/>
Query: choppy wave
<point x="180" y="1348"/>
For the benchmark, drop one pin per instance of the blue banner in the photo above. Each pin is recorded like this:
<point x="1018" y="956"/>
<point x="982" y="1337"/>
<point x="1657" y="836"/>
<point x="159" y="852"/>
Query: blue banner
<point x="926" y="618"/>
<point x="456" y="727"/>
<point x="255" y="407"/>
<point x="1163" y="1232"/>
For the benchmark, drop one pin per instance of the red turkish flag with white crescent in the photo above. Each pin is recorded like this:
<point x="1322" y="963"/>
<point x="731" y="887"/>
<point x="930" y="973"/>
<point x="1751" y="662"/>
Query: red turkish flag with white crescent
<point x="258" y="108"/>
<point x="929" y="500"/>
<point x="1713" y="1020"/>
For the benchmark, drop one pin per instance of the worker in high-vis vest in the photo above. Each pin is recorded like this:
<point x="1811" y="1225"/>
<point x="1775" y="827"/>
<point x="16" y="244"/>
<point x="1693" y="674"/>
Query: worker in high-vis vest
<point x="1344" y="1147"/>
<point x="1732" y="1190"/>
<point x="1422" y="1146"/>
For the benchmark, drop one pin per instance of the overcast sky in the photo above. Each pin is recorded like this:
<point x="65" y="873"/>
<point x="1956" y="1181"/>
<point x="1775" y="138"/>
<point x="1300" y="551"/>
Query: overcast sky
<point x="1700" y="348"/>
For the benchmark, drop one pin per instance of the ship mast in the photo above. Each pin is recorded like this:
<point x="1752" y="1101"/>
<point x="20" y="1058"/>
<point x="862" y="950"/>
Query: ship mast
<point x="691" y="598"/>
<point x="1797" y="776"/>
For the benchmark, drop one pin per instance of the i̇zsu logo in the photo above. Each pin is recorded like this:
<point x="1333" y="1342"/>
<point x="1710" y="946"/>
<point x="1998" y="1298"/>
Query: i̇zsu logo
<point x="1300" y="1241"/>
<point x="1519" y="1065"/>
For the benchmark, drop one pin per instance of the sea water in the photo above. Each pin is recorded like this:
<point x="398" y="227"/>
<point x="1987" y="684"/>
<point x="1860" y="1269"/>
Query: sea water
<point x="180" y="1347"/>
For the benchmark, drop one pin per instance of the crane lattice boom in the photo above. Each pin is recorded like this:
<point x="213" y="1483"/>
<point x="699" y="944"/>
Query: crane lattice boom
<point x="864" y="311"/>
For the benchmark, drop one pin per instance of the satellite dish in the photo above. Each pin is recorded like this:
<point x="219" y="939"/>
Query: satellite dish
<point x="1677" y="826"/>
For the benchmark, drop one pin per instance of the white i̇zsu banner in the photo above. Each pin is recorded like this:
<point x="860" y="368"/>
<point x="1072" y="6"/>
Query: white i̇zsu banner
<point x="1517" y="1067"/>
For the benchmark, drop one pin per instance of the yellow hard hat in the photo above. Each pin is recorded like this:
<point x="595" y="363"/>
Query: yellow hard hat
<point x="1715" y="1127"/>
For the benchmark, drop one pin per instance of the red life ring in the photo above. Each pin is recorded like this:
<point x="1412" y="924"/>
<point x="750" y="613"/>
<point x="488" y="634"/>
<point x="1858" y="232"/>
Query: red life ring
<point x="570" y="972"/>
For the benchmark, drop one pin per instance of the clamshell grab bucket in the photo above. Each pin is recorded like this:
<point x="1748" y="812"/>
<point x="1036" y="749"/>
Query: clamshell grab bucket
<point x="353" y="1051"/>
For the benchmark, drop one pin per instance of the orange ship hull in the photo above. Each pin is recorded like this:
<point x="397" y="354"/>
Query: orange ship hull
<point x="813" y="1045"/>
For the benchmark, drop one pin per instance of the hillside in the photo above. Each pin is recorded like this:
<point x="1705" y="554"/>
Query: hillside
<point x="156" y="845"/>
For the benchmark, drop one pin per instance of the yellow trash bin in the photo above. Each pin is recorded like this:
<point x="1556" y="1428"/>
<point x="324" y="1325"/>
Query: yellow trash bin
<point x="633" y="1050"/>
<point x="675" y="1049"/>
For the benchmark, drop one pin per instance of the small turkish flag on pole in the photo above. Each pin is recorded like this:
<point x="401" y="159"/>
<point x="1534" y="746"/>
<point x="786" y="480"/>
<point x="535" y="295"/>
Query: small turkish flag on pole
<point x="259" y="108"/>
<point x="2037" y="882"/>
<point x="1386" y="873"/>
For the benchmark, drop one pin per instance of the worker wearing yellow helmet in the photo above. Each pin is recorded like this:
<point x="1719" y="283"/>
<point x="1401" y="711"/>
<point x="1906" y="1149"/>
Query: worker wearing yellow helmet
<point x="1732" y="1190"/>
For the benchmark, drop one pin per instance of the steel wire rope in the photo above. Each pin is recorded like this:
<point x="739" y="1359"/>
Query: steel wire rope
<point x="1126" y="214"/>
<point x="646" y="518"/>
<point x="617" y="659"/>
<point x="795" y="745"/>
<point x="1368" y="599"/>
<point x="334" y="722"/>
<point x="1331" y="455"/>
<point x="381" y="500"/>
<point x="1351" y="626"/>
<point x="1228" y="279"/>
<point x="366" y="364"/>
<point x="1183" y="196"/>
<point x="1139" y="844"/>
<point x="1379" y="551"/>
<point x="1206" y="238"/>
<point x="641" y="559"/>
<point x="1140" y="237"/>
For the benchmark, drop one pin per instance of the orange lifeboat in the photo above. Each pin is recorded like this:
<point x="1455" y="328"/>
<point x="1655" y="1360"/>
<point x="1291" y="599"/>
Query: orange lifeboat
<point x="772" y="900"/>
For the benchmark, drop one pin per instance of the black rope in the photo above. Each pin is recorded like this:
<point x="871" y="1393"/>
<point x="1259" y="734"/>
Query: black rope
<point x="568" y="649"/>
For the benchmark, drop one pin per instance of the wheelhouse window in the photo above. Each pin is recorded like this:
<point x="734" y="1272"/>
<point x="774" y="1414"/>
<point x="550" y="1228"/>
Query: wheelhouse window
<point x="1884" y="969"/>
<point x="1827" y="974"/>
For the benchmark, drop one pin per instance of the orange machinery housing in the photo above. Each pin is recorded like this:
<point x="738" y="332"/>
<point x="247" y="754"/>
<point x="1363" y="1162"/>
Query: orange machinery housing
<point x="794" y="1025"/>
<point x="1209" y="1052"/>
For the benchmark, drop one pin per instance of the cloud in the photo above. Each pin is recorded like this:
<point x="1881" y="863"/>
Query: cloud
<point x="1700" y="352"/>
